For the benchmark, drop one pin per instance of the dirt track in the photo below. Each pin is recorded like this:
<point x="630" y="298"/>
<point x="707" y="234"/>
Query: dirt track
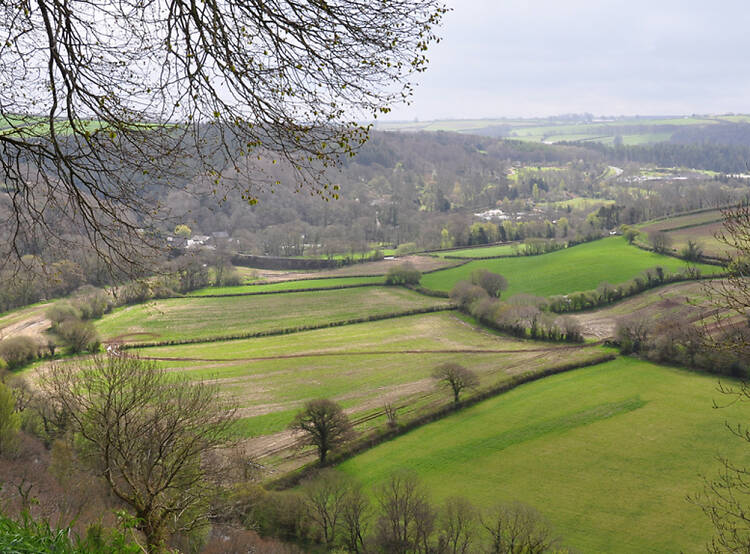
<point x="34" y="327"/>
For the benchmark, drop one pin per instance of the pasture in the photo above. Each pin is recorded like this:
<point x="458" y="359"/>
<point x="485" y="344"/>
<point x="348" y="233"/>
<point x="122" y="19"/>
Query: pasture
<point x="607" y="454"/>
<point x="362" y="366"/>
<point x="573" y="269"/>
<point x="282" y="286"/>
<point x="205" y="318"/>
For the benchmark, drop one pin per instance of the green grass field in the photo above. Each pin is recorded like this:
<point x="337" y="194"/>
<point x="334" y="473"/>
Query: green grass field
<point x="607" y="454"/>
<point x="361" y="365"/>
<point x="578" y="268"/>
<point x="194" y="318"/>
<point x="289" y="285"/>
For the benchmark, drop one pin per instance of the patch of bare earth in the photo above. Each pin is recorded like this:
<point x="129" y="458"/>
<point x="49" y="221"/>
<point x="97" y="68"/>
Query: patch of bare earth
<point x="33" y="327"/>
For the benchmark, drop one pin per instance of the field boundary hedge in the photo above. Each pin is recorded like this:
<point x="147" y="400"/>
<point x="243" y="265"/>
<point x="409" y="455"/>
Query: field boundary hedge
<point x="287" y="330"/>
<point x="383" y="435"/>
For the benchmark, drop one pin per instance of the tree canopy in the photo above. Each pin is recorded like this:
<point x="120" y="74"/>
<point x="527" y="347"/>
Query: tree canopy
<point x="102" y="103"/>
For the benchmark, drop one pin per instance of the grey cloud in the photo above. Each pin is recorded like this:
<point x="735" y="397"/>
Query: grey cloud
<point x="540" y="57"/>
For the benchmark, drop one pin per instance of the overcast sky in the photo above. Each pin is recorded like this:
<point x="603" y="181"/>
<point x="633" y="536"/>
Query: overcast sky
<point x="609" y="57"/>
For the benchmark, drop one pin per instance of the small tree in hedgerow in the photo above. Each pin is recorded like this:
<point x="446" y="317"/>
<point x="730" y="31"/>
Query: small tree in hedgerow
<point x="324" y="425"/>
<point x="456" y="378"/>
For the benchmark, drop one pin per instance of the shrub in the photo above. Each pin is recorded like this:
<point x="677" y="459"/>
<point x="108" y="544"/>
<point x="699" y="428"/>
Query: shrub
<point x="632" y="334"/>
<point x="465" y="294"/>
<point x="493" y="283"/>
<point x="134" y="293"/>
<point x="692" y="251"/>
<point x="61" y="311"/>
<point x="17" y="351"/>
<point x="660" y="241"/>
<point x="406" y="248"/>
<point x="93" y="303"/>
<point x="231" y="279"/>
<point x="403" y="274"/>
<point x="79" y="335"/>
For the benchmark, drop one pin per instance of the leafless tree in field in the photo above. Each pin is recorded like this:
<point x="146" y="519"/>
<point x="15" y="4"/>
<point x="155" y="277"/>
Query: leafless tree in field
<point x="456" y="378"/>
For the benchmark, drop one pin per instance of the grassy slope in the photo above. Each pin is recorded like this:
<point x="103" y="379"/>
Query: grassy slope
<point x="370" y="362"/>
<point x="187" y="318"/>
<point x="579" y="268"/>
<point x="606" y="453"/>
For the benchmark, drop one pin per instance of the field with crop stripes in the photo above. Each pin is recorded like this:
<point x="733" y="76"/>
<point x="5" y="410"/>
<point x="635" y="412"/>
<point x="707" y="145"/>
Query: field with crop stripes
<point x="607" y="454"/>
<point x="362" y="366"/>
<point x="206" y="318"/>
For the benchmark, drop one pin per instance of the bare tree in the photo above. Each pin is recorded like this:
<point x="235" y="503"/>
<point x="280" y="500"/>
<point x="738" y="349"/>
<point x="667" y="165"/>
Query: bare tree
<point x="354" y="516"/>
<point x="324" y="425"/>
<point x="458" y="519"/>
<point x="660" y="241"/>
<point x="103" y="103"/>
<point x="325" y="495"/>
<point x="724" y="497"/>
<point x="517" y="529"/>
<point x="456" y="378"/>
<point x="145" y="433"/>
<point x="406" y="514"/>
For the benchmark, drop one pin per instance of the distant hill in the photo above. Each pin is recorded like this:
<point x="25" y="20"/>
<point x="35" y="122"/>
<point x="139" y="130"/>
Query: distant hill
<point x="722" y="129"/>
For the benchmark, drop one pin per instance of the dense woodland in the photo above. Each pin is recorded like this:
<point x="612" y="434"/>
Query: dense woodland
<point x="416" y="191"/>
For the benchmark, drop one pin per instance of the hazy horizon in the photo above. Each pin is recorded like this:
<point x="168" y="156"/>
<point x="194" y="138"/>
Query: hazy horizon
<point x="539" y="58"/>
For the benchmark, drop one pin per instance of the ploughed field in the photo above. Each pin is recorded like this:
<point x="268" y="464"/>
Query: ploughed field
<point x="688" y="302"/>
<point x="184" y="319"/>
<point x="607" y="454"/>
<point x="362" y="366"/>
<point x="578" y="268"/>
<point x="701" y="227"/>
